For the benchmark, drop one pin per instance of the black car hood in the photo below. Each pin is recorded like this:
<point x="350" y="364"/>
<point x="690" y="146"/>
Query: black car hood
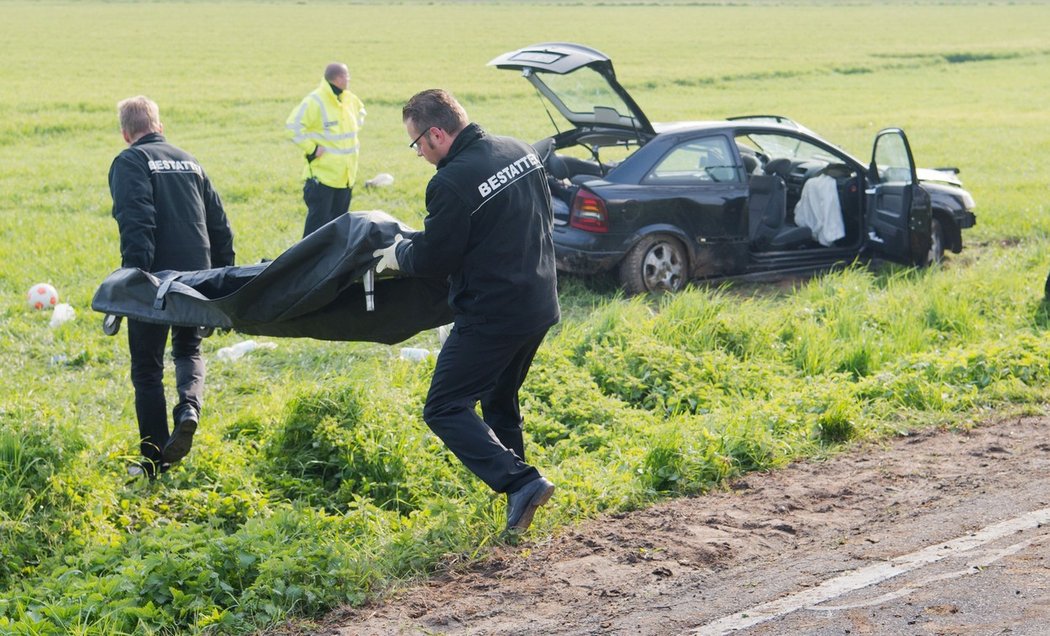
<point x="312" y="290"/>
<point x="593" y="98"/>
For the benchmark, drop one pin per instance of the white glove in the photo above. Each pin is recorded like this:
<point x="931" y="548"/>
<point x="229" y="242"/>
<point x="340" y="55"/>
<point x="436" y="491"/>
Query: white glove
<point x="388" y="256"/>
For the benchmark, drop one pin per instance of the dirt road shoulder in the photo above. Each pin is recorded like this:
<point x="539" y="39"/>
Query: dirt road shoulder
<point x="681" y="565"/>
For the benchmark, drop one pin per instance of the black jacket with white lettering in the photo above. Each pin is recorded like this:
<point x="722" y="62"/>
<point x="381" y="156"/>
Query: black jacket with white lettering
<point x="167" y="212"/>
<point x="488" y="228"/>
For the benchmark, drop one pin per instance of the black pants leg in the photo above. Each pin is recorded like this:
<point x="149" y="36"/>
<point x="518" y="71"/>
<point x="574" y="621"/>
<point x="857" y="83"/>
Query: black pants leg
<point x="146" y="343"/>
<point x="489" y="369"/>
<point x="189" y="369"/>
<point x="500" y="408"/>
<point x="323" y="203"/>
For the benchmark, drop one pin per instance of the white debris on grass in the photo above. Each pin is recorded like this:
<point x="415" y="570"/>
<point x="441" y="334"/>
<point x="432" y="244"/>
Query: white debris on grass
<point x="413" y="354"/>
<point x="61" y="314"/>
<point x="381" y="180"/>
<point x="238" y="351"/>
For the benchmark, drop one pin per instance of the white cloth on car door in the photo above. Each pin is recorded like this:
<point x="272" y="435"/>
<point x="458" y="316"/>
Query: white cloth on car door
<point x="818" y="209"/>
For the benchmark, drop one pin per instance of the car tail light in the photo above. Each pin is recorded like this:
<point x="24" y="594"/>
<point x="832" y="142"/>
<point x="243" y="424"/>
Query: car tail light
<point x="589" y="213"/>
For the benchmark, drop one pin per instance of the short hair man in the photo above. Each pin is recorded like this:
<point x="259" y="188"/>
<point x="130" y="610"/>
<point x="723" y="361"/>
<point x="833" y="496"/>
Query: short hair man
<point x="488" y="228"/>
<point x="325" y="126"/>
<point x="169" y="218"/>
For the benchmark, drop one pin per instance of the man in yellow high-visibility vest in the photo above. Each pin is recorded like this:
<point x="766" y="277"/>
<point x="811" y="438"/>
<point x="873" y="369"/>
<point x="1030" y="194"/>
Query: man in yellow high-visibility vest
<point x="325" y="126"/>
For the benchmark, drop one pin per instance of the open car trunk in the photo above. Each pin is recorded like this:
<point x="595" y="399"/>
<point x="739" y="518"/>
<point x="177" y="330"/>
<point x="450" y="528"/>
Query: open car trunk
<point x="591" y="98"/>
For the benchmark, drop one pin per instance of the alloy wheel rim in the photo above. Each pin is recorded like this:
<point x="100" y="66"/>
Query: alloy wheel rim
<point x="662" y="268"/>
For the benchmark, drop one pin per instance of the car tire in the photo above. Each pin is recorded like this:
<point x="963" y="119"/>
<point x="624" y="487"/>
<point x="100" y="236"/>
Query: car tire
<point x="936" y="253"/>
<point x="657" y="263"/>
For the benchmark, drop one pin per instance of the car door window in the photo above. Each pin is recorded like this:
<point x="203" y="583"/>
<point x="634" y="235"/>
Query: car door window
<point x="706" y="160"/>
<point x="892" y="161"/>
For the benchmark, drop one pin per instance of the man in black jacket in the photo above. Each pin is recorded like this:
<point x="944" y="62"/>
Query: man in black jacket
<point x="169" y="218"/>
<point x="488" y="228"/>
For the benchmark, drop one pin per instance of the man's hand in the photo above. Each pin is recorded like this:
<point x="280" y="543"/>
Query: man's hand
<point x="388" y="256"/>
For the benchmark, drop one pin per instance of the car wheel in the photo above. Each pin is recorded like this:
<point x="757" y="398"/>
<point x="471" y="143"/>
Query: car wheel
<point x="656" y="263"/>
<point x="936" y="254"/>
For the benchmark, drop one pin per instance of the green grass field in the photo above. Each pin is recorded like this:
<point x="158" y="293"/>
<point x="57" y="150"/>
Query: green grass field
<point x="313" y="481"/>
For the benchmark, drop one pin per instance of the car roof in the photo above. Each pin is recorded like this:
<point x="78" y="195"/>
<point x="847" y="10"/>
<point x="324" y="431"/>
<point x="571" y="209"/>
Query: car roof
<point x="732" y="124"/>
<point x="665" y="127"/>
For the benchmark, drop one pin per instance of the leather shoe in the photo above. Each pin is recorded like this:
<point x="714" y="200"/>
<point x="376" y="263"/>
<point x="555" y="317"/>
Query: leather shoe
<point x="522" y="503"/>
<point x="147" y="468"/>
<point x="181" y="440"/>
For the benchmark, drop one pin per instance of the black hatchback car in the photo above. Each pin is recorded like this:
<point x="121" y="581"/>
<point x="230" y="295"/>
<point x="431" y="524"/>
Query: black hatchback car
<point x="735" y="197"/>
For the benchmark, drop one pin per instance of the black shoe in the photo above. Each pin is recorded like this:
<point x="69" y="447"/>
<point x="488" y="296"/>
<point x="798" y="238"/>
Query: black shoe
<point x="522" y="503"/>
<point x="147" y="468"/>
<point x="181" y="440"/>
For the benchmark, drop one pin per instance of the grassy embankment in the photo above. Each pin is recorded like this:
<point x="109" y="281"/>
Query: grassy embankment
<point x="313" y="481"/>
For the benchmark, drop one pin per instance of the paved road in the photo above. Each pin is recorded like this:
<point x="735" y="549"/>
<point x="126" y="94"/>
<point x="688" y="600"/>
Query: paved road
<point x="936" y="533"/>
<point x="994" y="580"/>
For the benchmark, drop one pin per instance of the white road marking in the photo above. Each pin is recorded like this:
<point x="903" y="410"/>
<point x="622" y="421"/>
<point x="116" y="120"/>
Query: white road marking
<point x="973" y="566"/>
<point x="870" y="575"/>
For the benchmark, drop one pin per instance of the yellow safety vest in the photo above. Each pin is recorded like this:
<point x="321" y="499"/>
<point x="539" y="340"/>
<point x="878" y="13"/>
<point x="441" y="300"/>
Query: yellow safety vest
<point x="333" y="122"/>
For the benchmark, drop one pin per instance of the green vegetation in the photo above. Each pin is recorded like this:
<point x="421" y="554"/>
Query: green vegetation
<point x="313" y="481"/>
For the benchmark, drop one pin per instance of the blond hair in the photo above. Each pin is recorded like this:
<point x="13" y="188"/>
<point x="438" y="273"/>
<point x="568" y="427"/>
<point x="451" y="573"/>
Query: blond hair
<point x="138" y="115"/>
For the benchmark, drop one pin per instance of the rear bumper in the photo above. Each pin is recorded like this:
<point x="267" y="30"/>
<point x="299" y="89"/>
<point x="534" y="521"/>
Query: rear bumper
<point x="576" y="261"/>
<point x="579" y="252"/>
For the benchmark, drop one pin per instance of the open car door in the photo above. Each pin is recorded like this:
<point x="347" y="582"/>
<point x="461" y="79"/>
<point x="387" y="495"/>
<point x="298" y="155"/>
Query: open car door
<point x="899" y="210"/>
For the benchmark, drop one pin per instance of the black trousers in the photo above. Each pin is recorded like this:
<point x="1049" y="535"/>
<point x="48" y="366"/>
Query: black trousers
<point x="146" y="342"/>
<point x="491" y="369"/>
<point x="323" y="203"/>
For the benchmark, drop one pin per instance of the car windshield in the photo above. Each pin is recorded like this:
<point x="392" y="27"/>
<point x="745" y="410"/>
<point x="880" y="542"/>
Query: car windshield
<point x="791" y="147"/>
<point x="586" y="91"/>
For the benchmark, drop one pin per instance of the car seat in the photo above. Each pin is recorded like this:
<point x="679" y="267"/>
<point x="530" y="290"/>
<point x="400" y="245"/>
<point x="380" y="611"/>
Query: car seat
<point x="581" y="170"/>
<point x="767" y="211"/>
<point x="550" y="159"/>
<point x="556" y="166"/>
<point x="750" y="163"/>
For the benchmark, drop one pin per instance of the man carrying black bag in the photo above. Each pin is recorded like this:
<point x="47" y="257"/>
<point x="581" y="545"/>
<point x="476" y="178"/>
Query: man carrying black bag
<point x="488" y="228"/>
<point x="169" y="218"/>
